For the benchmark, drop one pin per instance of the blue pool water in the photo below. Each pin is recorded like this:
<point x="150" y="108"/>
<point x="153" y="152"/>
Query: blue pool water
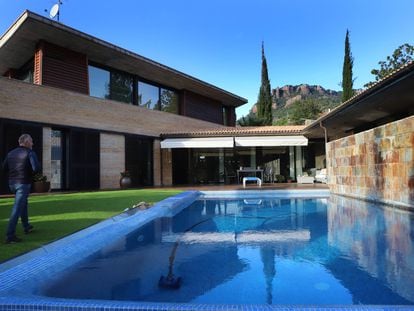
<point x="297" y="251"/>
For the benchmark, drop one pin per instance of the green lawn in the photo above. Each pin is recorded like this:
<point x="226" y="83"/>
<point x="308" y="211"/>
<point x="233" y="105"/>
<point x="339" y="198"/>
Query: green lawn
<point x="57" y="215"/>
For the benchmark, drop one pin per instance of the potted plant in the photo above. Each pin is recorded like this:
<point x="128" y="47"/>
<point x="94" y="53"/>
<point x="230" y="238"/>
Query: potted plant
<point x="125" y="181"/>
<point x="40" y="183"/>
<point x="280" y="178"/>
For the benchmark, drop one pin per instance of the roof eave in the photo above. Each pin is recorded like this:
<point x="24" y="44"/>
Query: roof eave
<point x="377" y="87"/>
<point x="97" y="48"/>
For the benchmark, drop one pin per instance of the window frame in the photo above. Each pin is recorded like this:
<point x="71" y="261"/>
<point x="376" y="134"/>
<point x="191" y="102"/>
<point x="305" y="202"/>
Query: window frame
<point x="136" y="79"/>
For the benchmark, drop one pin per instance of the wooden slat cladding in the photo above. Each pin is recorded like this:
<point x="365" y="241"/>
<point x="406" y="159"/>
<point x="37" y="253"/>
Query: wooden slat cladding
<point x="38" y="60"/>
<point x="203" y="108"/>
<point x="232" y="116"/>
<point x="64" y="68"/>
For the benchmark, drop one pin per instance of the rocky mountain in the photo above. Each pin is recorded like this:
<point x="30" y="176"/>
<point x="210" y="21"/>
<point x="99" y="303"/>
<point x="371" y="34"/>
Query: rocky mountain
<point x="285" y="96"/>
<point x="288" y="94"/>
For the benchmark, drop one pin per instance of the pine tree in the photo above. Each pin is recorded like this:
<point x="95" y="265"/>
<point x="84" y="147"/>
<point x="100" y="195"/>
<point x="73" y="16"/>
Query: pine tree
<point x="401" y="56"/>
<point x="264" y="102"/>
<point x="347" y="81"/>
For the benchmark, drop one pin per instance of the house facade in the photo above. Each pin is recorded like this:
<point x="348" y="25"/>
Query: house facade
<point x="94" y="109"/>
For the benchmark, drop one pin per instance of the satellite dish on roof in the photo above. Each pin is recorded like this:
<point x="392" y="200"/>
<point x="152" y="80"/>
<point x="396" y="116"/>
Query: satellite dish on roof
<point x="54" y="11"/>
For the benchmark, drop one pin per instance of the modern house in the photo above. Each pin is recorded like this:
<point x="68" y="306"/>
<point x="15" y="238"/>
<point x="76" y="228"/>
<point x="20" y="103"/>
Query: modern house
<point x="95" y="110"/>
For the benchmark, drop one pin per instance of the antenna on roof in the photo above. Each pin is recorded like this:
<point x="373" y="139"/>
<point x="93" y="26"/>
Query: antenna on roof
<point x="55" y="10"/>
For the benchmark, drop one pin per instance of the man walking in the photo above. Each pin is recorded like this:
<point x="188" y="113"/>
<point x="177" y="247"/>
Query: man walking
<point x="20" y="164"/>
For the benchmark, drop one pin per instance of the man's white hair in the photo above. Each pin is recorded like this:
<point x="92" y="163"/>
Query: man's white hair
<point x="24" y="139"/>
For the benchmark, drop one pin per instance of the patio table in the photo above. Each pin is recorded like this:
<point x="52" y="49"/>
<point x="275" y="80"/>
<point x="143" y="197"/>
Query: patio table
<point x="249" y="171"/>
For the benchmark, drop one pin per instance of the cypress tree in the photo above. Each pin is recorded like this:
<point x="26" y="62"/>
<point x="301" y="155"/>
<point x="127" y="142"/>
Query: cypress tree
<point x="264" y="102"/>
<point x="347" y="81"/>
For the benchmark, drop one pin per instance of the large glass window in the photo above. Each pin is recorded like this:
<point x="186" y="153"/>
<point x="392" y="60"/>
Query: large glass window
<point x="121" y="87"/>
<point x="148" y="96"/>
<point x="138" y="160"/>
<point x="25" y="73"/>
<point x="205" y="165"/>
<point x="169" y="101"/>
<point x="218" y="165"/>
<point x="84" y="151"/>
<point x="99" y="81"/>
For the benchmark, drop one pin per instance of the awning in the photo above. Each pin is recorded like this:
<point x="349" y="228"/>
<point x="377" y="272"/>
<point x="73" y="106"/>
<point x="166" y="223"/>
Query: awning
<point x="270" y="141"/>
<point x="204" y="142"/>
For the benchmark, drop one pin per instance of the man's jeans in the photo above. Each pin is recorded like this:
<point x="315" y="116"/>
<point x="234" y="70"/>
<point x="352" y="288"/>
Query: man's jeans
<point x="19" y="208"/>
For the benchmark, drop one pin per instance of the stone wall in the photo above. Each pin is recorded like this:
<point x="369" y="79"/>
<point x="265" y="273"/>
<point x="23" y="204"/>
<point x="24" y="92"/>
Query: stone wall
<point x="112" y="160"/>
<point x="377" y="164"/>
<point x="166" y="158"/>
<point x="156" y="160"/>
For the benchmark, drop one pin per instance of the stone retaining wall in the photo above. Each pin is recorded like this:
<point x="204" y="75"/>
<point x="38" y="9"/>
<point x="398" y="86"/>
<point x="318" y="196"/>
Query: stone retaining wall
<point x="377" y="164"/>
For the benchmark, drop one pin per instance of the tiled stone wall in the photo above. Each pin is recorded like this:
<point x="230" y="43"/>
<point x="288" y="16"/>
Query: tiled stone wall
<point x="156" y="160"/>
<point x="162" y="169"/>
<point x="377" y="164"/>
<point x="112" y="160"/>
<point x="166" y="167"/>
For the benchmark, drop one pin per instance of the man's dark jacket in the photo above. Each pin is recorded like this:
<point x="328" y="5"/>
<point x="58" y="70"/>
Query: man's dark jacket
<point x="21" y="163"/>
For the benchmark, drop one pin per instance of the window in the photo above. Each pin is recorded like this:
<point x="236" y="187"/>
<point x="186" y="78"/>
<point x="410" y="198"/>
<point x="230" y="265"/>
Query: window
<point x="26" y="72"/>
<point x="138" y="160"/>
<point x="26" y="76"/>
<point x="169" y="101"/>
<point x="99" y="81"/>
<point x="84" y="152"/>
<point x="121" y="87"/>
<point x="124" y="87"/>
<point x="148" y="96"/>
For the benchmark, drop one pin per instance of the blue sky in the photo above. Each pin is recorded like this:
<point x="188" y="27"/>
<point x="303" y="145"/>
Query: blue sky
<point x="219" y="41"/>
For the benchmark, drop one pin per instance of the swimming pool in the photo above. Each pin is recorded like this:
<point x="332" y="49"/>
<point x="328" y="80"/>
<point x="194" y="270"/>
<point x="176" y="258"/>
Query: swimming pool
<point x="233" y="249"/>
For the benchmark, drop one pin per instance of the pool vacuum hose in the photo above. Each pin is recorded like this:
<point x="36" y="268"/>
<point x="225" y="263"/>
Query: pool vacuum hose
<point x="170" y="281"/>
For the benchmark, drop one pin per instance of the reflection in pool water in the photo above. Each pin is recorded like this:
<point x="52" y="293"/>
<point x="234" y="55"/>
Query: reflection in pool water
<point x="275" y="251"/>
<point x="378" y="241"/>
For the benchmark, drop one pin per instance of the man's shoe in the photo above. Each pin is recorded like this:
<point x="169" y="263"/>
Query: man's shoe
<point x="13" y="240"/>
<point x="28" y="229"/>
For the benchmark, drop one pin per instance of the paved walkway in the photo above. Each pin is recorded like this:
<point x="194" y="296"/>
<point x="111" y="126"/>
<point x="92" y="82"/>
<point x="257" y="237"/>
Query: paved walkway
<point x="253" y="186"/>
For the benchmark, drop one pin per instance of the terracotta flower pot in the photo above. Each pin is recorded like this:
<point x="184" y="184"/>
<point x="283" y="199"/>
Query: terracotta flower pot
<point x="125" y="182"/>
<point x="41" y="186"/>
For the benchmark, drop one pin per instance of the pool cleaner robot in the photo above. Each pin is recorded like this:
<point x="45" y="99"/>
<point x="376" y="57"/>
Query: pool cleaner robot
<point x="171" y="281"/>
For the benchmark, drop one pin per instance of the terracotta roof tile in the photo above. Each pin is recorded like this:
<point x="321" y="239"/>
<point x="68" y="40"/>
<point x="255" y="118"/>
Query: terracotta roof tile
<point x="240" y="131"/>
